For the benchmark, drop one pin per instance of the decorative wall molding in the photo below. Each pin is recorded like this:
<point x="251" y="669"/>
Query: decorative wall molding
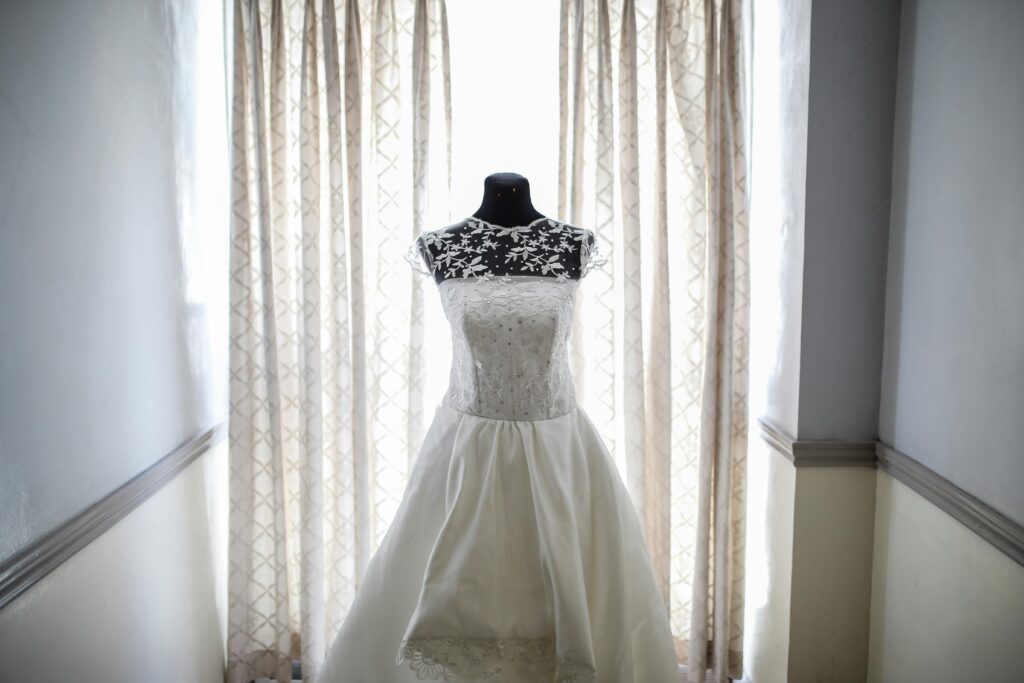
<point x="31" y="564"/>
<point x="974" y="513"/>
<point x="819" y="452"/>
<point x="1004" y="533"/>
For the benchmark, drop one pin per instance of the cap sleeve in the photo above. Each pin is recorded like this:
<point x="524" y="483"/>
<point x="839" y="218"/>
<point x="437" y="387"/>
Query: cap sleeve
<point x="419" y="256"/>
<point x="594" y="253"/>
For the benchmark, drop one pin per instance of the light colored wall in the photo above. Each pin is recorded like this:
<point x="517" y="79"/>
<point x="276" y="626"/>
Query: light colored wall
<point x="853" y="48"/>
<point x="831" y="590"/>
<point x="952" y="375"/>
<point x="824" y="81"/>
<point x="113" y="234"/>
<point x="946" y="606"/>
<point x="828" y="82"/>
<point x="112" y="155"/>
<point x="953" y="371"/>
<point x="146" y="601"/>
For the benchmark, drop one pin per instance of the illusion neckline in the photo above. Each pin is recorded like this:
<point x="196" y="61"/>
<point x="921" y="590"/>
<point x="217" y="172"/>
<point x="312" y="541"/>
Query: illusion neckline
<point x="492" y="226"/>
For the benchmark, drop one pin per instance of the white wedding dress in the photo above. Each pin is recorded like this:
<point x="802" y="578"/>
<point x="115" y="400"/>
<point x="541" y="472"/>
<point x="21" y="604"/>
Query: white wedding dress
<point x="515" y="555"/>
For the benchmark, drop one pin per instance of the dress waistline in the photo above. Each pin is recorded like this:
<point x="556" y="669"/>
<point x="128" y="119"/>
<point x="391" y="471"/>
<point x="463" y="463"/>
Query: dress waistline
<point x="500" y="418"/>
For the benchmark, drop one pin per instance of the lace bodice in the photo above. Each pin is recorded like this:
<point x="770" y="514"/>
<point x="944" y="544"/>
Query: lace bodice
<point x="510" y="332"/>
<point x="477" y="248"/>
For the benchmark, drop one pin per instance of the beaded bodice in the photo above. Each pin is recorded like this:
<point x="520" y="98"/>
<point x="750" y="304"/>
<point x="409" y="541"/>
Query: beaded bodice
<point x="510" y="332"/>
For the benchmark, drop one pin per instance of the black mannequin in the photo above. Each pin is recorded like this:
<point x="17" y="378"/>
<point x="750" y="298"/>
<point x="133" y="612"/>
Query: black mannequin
<point x="506" y="204"/>
<point x="507" y="200"/>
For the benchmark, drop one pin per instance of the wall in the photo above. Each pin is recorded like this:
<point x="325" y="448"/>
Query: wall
<point x="849" y="150"/>
<point x="947" y="606"/>
<point x="107" y="175"/>
<point x="113" y="234"/>
<point x="913" y="336"/>
<point x="146" y="601"/>
<point x="831" y="574"/>
<point x="825" y="78"/>
<point x="953" y="373"/>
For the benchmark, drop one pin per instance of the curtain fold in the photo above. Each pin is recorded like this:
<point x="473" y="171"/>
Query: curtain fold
<point x="664" y="356"/>
<point x="326" y="319"/>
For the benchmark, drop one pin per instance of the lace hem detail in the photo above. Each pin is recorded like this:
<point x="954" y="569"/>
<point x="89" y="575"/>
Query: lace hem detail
<point x="464" y="660"/>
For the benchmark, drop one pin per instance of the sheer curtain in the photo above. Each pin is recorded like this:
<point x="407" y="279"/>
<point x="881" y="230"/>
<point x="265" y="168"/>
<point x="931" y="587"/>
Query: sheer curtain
<point x="651" y="156"/>
<point x="341" y="132"/>
<point x="342" y="143"/>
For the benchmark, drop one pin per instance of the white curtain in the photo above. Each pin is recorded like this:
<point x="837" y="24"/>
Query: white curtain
<point x="652" y="157"/>
<point x="341" y="131"/>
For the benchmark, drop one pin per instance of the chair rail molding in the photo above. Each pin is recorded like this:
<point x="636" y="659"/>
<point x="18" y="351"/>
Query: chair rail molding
<point x="1006" y="534"/>
<point x="29" y="565"/>
<point x="818" y="452"/>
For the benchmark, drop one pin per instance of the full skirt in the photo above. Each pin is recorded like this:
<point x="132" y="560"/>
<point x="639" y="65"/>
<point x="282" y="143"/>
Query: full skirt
<point x="515" y="556"/>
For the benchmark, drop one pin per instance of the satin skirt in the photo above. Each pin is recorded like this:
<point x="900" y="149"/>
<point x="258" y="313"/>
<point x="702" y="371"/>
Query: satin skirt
<point x="515" y="556"/>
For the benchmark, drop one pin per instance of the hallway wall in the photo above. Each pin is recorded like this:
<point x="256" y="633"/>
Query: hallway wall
<point x="946" y="605"/>
<point x="824" y="75"/>
<point x="113" y="235"/>
<point x="108" y="170"/>
<point x="953" y="369"/>
<point x="865" y="561"/>
<point x="146" y="601"/>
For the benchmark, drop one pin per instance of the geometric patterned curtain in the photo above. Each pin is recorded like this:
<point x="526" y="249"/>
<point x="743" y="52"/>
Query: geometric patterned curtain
<point x="341" y="139"/>
<point x="332" y="170"/>
<point x="651" y="157"/>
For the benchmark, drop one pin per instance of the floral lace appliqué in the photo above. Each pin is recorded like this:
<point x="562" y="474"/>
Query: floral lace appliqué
<point x="543" y="247"/>
<point x="465" y="660"/>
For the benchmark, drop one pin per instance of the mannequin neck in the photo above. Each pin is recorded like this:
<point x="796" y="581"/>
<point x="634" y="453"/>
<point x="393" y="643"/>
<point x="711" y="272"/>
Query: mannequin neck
<point x="506" y="201"/>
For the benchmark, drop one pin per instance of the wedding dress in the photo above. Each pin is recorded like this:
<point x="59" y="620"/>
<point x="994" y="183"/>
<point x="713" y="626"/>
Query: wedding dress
<point x="515" y="555"/>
